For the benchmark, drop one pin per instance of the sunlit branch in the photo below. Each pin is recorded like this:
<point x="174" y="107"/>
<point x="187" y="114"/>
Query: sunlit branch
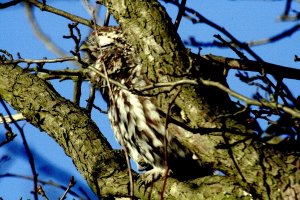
<point x="61" y="13"/>
<point x="41" y="192"/>
<point x="11" y="118"/>
<point x="32" y="61"/>
<point x="9" y="135"/>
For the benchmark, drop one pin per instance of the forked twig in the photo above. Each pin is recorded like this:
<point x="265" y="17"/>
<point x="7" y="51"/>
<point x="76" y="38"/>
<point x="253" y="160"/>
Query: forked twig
<point x="72" y="182"/>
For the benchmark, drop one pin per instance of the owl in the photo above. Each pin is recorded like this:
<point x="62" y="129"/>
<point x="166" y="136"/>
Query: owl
<point x="135" y="119"/>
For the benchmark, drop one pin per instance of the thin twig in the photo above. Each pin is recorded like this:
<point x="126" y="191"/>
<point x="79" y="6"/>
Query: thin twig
<point x="235" y="50"/>
<point x="91" y="99"/>
<point x="10" y="3"/>
<point x="294" y="113"/>
<point x="120" y="85"/>
<point x="51" y="183"/>
<point x="166" y="143"/>
<point x="167" y="84"/>
<point x="201" y="19"/>
<point x="64" y="14"/>
<point x="70" y="185"/>
<point x="287" y="33"/>
<point x="287" y="7"/>
<point x="27" y="149"/>
<point x="272" y="105"/>
<point x="180" y="14"/>
<point x="41" y="192"/>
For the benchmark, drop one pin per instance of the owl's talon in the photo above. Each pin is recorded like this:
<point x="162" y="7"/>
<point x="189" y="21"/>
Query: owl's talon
<point x="151" y="176"/>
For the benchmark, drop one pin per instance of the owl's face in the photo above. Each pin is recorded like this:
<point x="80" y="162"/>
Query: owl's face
<point x="105" y="38"/>
<point x="108" y="47"/>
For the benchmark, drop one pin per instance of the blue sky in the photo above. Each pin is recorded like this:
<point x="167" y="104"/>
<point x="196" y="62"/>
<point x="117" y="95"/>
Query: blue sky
<point x="246" y="20"/>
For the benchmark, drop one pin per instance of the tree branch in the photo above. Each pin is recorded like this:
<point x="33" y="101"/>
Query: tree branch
<point x="68" y="124"/>
<point x="56" y="11"/>
<point x="249" y="65"/>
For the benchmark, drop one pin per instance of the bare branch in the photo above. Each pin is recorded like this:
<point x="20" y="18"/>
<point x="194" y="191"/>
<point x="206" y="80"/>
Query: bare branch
<point x="43" y="182"/>
<point x="249" y="65"/>
<point x="275" y="106"/>
<point x="287" y="33"/>
<point x="180" y="14"/>
<point x="27" y="149"/>
<point x="70" y="185"/>
<point x="272" y="105"/>
<point x="32" y="61"/>
<point x="15" y="117"/>
<point x="196" y="17"/>
<point x="10" y="3"/>
<point x="60" y="13"/>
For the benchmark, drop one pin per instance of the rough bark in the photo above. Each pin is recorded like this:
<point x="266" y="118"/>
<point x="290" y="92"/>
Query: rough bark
<point x="68" y="124"/>
<point x="230" y="147"/>
<point x="104" y="169"/>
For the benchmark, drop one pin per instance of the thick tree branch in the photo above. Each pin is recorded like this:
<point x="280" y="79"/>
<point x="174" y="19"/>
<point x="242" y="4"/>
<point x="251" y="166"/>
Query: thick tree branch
<point x="68" y="124"/>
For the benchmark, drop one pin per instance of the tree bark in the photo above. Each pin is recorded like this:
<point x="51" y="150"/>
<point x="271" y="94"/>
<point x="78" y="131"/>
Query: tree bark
<point x="229" y="146"/>
<point x="104" y="169"/>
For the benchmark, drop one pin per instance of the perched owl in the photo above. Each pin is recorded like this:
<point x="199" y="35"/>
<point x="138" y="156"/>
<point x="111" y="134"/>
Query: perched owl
<point x="134" y="118"/>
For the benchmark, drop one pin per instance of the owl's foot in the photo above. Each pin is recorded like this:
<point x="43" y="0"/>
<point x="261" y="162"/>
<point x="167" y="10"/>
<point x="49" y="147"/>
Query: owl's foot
<point x="149" y="177"/>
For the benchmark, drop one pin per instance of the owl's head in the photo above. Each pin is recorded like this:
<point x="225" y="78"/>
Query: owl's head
<point x="103" y="39"/>
<point x="108" y="46"/>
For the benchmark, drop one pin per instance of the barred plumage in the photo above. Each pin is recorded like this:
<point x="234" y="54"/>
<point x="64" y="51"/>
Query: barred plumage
<point x="134" y="118"/>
